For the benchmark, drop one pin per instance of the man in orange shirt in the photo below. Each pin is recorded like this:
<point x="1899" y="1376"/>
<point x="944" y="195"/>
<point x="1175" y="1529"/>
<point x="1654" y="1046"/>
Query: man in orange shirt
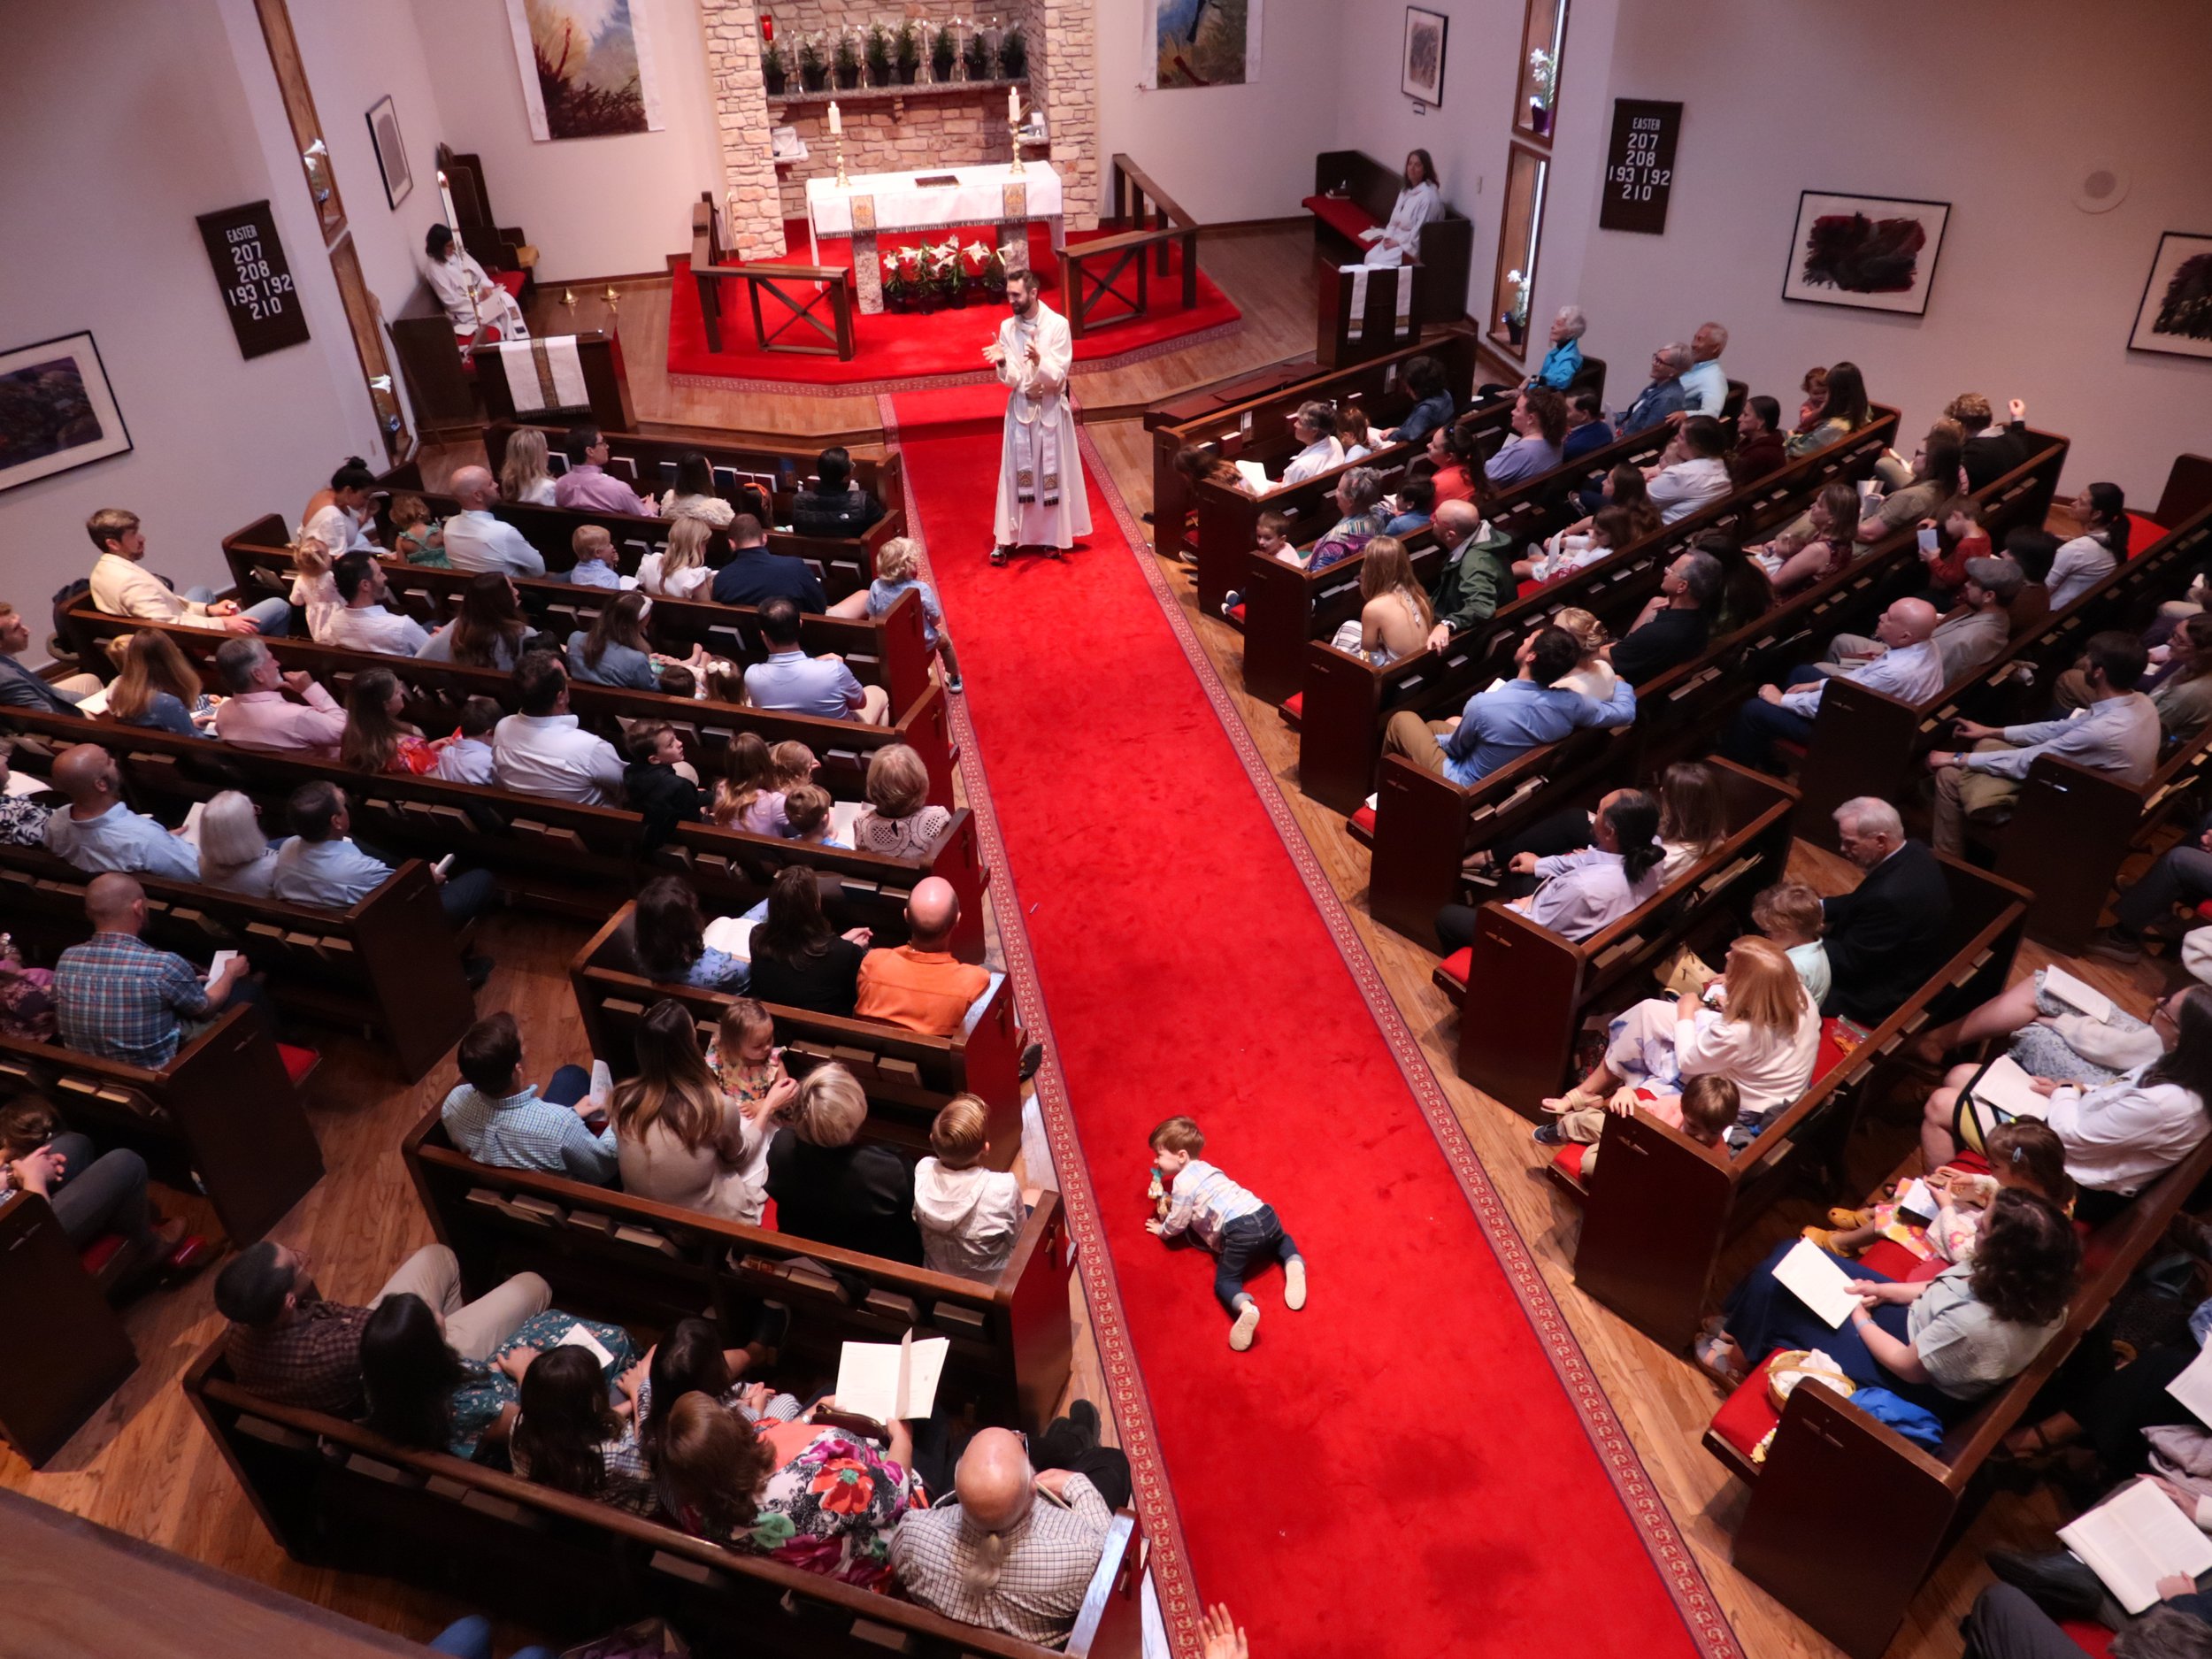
<point x="920" y="985"/>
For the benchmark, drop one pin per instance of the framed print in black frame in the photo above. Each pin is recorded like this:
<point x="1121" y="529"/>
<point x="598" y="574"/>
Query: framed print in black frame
<point x="1876" y="252"/>
<point x="1421" y="74"/>
<point x="2176" y="315"/>
<point x="391" y="152"/>
<point x="61" y="412"/>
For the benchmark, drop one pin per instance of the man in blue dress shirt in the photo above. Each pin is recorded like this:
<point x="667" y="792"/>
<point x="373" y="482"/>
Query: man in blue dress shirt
<point x="96" y="831"/>
<point x="1500" y="725"/>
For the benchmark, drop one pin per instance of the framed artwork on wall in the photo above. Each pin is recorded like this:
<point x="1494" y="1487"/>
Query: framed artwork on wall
<point x="2176" y="315"/>
<point x="1422" y="76"/>
<point x="391" y="154"/>
<point x="57" y="411"/>
<point x="1877" y="253"/>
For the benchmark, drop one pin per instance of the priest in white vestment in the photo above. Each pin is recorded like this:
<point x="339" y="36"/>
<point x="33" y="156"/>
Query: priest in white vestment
<point x="1040" y="498"/>
<point x="465" y="290"/>
<point x="1399" y="241"/>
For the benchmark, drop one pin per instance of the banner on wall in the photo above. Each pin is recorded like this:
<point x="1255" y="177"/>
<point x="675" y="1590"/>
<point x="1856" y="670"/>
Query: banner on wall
<point x="1199" y="43"/>
<point x="586" y="68"/>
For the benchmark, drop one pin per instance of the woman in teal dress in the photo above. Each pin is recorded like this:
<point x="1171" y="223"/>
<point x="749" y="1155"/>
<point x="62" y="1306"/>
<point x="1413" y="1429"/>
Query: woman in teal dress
<point x="422" y="1393"/>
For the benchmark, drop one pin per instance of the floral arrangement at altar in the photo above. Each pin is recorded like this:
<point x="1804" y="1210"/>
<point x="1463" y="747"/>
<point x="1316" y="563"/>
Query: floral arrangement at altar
<point x="926" y="276"/>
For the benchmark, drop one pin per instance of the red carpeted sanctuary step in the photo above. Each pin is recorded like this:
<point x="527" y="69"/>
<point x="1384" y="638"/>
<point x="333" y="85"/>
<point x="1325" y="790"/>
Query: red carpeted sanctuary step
<point x="1420" y="1462"/>
<point x="911" y="346"/>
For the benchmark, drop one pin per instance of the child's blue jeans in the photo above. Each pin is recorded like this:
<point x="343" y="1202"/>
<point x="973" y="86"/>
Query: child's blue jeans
<point x="1243" y="1241"/>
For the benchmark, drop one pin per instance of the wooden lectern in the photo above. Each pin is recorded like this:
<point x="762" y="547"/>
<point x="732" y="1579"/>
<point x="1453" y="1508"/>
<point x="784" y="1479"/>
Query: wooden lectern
<point x="606" y="384"/>
<point x="1341" y="339"/>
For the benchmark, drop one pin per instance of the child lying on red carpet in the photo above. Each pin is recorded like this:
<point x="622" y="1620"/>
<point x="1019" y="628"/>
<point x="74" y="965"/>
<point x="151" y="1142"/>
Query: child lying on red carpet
<point x="1194" y="1197"/>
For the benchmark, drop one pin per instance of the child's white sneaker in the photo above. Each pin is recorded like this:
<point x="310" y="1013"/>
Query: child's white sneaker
<point x="1294" y="1283"/>
<point x="1247" y="1322"/>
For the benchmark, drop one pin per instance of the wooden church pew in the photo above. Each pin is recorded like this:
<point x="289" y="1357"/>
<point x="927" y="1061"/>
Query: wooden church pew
<point x="1853" y="1583"/>
<point x="387" y="966"/>
<point x="331" y="1492"/>
<point x="1658" y="1208"/>
<point x="68" y="1352"/>
<point x="909" y="1075"/>
<point x="223" y="1111"/>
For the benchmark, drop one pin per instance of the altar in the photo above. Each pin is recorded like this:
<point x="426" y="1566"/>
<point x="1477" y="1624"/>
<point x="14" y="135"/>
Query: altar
<point x="943" y="198"/>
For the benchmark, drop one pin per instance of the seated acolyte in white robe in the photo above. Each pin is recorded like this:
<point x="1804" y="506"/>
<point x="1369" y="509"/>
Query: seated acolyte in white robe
<point x="1400" y="239"/>
<point x="1041" y="497"/>
<point x="470" y="298"/>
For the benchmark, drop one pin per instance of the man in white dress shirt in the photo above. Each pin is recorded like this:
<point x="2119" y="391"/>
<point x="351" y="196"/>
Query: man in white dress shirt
<point x="1041" y="497"/>
<point x="541" y="751"/>
<point x="1705" y="383"/>
<point x="471" y="300"/>
<point x="1321" y="450"/>
<point x="123" y="587"/>
<point x="366" y="623"/>
<point x="1909" y="669"/>
<point x="475" y="540"/>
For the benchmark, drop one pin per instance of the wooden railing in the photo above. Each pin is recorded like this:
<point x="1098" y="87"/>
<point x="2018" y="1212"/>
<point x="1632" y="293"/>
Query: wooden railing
<point x="1081" y="286"/>
<point x="827" y="311"/>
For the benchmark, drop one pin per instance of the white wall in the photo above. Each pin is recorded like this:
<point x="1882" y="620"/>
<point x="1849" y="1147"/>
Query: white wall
<point x="1225" y="153"/>
<point x="592" y="207"/>
<point x="100" y="194"/>
<point x="2032" y="297"/>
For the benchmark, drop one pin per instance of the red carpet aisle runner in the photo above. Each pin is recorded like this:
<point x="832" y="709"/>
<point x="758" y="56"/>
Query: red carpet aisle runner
<point x="943" y="347"/>
<point x="1420" y="1464"/>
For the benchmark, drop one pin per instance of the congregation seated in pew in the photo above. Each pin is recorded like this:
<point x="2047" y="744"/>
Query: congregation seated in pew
<point x="920" y="985"/>
<point x="496" y="1117"/>
<point x="1759" y="452"/>
<point x="542" y="749"/>
<point x="1692" y="471"/>
<point x="257" y="714"/>
<point x="94" y="1194"/>
<point x="898" y="573"/>
<point x="833" y="1187"/>
<point x="683" y="569"/>
<point x="821" y="686"/>
<point x="596" y="562"/>
<point x="2094" y="555"/>
<point x="469" y="758"/>
<point x="1885" y="937"/>
<point x="121" y="586"/>
<point x="319" y="865"/>
<point x="586" y="483"/>
<point x="475" y="540"/>
<point x="377" y="738"/>
<point x="96" y="831"/>
<point x="1539" y="430"/>
<point x="1583" y="889"/>
<point x="669" y="937"/>
<point x="488" y="631"/>
<point x="659" y="783"/>
<point x="834" y="504"/>
<point x="366" y="623"/>
<point x="1973" y="633"/>
<point x="798" y="960"/>
<point x="1908" y="669"/>
<point x="1675" y="623"/>
<point x="1432" y="405"/>
<point x="693" y="494"/>
<point x="680" y="1137"/>
<point x="1530" y="710"/>
<point x="156" y="687"/>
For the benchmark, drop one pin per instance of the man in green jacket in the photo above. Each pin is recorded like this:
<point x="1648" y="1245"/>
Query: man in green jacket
<point x="1476" y="579"/>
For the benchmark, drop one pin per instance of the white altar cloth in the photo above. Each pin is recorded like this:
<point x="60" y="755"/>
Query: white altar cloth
<point x="894" y="201"/>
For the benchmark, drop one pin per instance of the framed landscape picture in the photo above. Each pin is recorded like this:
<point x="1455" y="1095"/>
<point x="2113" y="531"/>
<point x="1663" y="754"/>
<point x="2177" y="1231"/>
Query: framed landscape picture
<point x="57" y="411"/>
<point x="391" y="154"/>
<point x="2176" y="315"/>
<point x="1876" y="252"/>
<point x="1422" y="77"/>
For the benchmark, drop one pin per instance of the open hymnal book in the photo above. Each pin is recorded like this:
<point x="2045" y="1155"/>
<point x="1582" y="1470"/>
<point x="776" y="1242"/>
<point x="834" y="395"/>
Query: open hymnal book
<point x="2074" y="993"/>
<point x="1812" y="1276"/>
<point x="731" y="934"/>
<point x="891" y="1381"/>
<point x="2010" y="1090"/>
<point x="2134" y="1539"/>
<point x="2194" y="1386"/>
<point x="26" y="783"/>
<point x="576" y="1336"/>
<point x="1255" y="476"/>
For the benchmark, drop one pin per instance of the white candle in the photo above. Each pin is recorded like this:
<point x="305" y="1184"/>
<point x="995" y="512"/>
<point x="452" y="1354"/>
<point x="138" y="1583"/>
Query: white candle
<point x="445" y="198"/>
<point x="1014" y="105"/>
<point x="837" y="121"/>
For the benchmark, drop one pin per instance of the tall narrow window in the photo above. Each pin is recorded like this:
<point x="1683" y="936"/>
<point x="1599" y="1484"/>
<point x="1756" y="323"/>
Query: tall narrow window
<point x="1541" y="43"/>
<point x="1520" y="225"/>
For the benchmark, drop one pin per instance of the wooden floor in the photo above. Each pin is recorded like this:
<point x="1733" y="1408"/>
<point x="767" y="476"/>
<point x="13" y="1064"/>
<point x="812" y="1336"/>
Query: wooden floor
<point x="144" y="1466"/>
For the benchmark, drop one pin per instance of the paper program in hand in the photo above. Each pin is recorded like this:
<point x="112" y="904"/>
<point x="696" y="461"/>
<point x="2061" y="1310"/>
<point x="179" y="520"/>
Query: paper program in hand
<point x="891" y="1382"/>
<point x="1814" y="1279"/>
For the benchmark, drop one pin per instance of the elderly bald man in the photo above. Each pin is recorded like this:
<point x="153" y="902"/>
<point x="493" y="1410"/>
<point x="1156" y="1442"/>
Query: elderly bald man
<point x="1910" y="668"/>
<point x="475" y="540"/>
<point x="117" y="997"/>
<point x="1015" y="1549"/>
<point x="1476" y="578"/>
<point x="920" y="985"/>
<point x="96" y="831"/>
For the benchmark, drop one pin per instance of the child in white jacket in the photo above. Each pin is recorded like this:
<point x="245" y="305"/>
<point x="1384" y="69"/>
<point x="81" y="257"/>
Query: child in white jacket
<point x="970" y="1216"/>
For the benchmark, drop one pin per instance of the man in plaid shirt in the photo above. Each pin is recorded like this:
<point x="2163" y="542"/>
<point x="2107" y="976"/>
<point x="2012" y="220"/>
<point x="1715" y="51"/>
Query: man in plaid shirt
<point x="120" y="999"/>
<point x="1015" y="1554"/>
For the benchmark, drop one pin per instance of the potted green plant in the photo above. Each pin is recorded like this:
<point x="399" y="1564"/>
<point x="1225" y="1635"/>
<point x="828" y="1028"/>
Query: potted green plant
<point x="978" y="57"/>
<point x="773" y="71"/>
<point x="1013" y="56"/>
<point x="909" y="51"/>
<point x="879" y="55"/>
<point x="848" y="63"/>
<point x="944" y="53"/>
<point x="813" y="72"/>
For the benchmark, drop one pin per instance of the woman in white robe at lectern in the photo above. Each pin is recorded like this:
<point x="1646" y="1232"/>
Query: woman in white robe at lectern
<point x="1041" y="497"/>
<point x="465" y="290"/>
<point x="1399" y="241"/>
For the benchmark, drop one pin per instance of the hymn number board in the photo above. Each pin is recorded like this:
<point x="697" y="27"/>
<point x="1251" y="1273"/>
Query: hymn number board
<point x="1639" y="165"/>
<point x="259" y="297"/>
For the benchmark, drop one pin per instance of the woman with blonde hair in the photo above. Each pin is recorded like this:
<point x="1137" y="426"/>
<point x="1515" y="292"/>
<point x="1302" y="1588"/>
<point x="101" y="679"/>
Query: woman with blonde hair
<point x="234" y="855"/>
<point x="682" y="571"/>
<point x="524" y="475"/>
<point x="1815" y="548"/>
<point x="747" y="796"/>
<point x="1396" y="616"/>
<point x="314" y="589"/>
<point x="833" y="1187"/>
<point x="1593" y="676"/>
<point x="1757" y="1026"/>
<point x="899" y="573"/>
<point x="155" y="686"/>
<point x="899" y="820"/>
<point x="679" y="1139"/>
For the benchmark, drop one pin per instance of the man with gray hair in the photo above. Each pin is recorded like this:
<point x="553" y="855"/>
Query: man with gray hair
<point x="1014" y="1549"/>
<point x="1705" y="383"/>
<point x="257" y="715"/>
<point x="475" y="540"/>
<point x="1664" y="396"/>
<point x="1564" y="361"/>
<point x="1884" y="938"/>
<point x="1675" y="622"/>
<point x="1358" y="523"/>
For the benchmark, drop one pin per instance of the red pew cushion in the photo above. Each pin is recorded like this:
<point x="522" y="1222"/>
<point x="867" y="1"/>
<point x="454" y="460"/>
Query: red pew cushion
<point x="2141" y="533"/>
<point x="2205" y="910"/>
<point x="2093" y="1639"/>
<point x="1340" y="214"/>
<point x="511" y="281"/>
<point x="100" y="1252"/>
<point x="1832" y="1053"/>
<point x="1746" y="1414"/>
<point x="1568" y="1159"/>
<point x="1294" y="707"/>
<point x="299" y="1063"/>
<point x="1459" y="964"/>
<point x="1236" y="615"/>
<point x="1363" y="820"/>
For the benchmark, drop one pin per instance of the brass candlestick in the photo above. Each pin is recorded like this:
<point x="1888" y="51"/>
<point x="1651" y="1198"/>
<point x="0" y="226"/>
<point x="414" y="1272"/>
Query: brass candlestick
<point x="613" y="299"/>
<point x="1015" y="128"/>
<point x="843" y="181"/>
